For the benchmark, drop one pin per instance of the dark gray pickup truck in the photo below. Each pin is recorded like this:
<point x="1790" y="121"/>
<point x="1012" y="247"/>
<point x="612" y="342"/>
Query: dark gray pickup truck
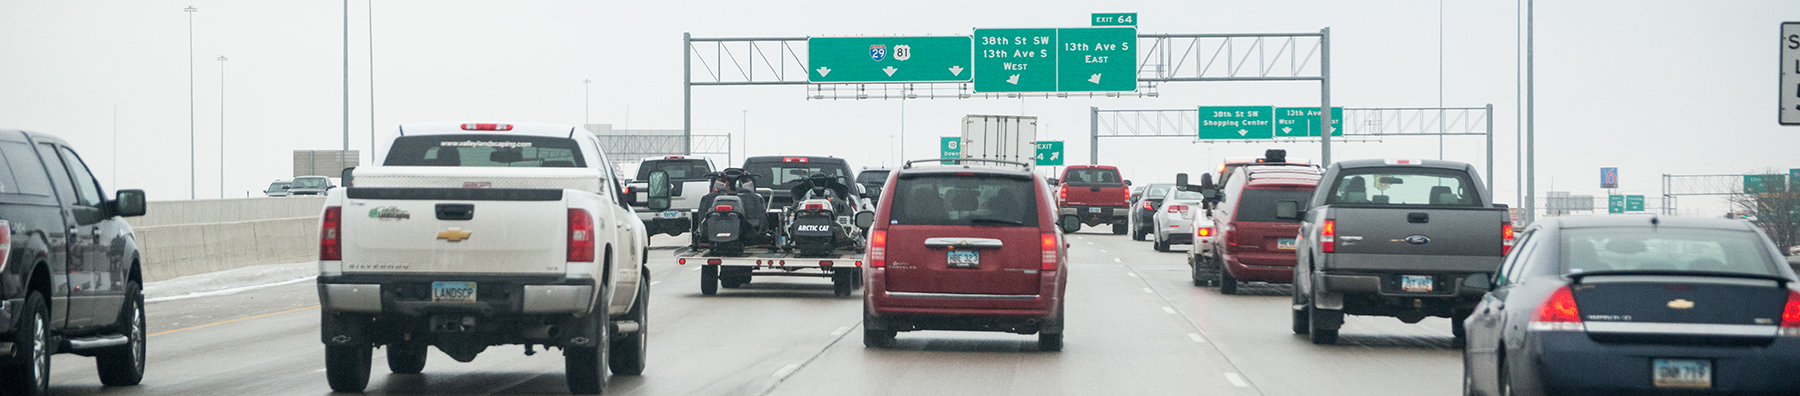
<point x="1394" y="238"/>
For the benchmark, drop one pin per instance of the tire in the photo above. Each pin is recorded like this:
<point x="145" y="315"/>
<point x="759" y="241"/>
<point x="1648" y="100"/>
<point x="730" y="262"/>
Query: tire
<point x="124" y="365"/>
<point x="1050" y="342"/>
<point x="407" y="358"/>
<point x="731" y="282"/>
<point x="841" y="284"/>
<point x="1504" y="381"/>
<point x="1301" y="322"/>
<point x="1118" y="229"/>
<point x="585" y="367"/>
<point x="1161" y="245"/>
<point x="347" y="367"/>
<point x="33" y="377"/>
<point x="1460" y="337"/>
<point x="630" y="352"/>
<point x="1195" y="262"/>
<point x="1319" y="334"/>
<point x="878" y="338"/>
<point x="1227" y="284"/>
<point x="857" y="279"/>
<point x="709" y="280"/>
<point x="1137" y="232"/>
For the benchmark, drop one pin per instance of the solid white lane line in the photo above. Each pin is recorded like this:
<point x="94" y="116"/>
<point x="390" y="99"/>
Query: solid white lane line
<point x="1236" y="380"/>
<point x="840" y="331"/>
<point x="791" y="367"/>
<point x="1168" y="309"/>
<point x="1196" y="337"/>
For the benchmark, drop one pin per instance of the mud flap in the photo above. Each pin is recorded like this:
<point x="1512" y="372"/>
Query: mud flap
<point x="344" y="329"/>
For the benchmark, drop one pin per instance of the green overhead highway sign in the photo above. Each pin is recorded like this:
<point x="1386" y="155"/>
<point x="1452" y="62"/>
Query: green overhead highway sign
<point x="1304" y="121"/>
<point x="1615" y="204"/>
<point x="1015" y="60"/>
<point x="1634" y="203"/>
<point x="1236" y="122"/>
<point x="1050" y="153"/>
<point x="1096" y="59"/>
<point x="1757" y="184"/>
<point x="1115" y="19"/>
<point x="949" y="147"/>
<point x="889" y="59"/>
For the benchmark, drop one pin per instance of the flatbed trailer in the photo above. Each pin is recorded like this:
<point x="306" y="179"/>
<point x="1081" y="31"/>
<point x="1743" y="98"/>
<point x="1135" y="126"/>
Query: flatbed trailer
<point x="843" y="266"/>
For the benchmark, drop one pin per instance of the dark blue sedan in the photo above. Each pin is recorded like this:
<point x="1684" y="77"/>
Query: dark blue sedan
<point x="1637" y="305"/>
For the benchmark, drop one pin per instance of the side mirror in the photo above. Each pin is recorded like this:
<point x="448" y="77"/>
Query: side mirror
<point x="130" y="203"/>
<point x="348" y="181"/>
<point x="865" y="219"/>
<point x="1069" y="224"/>
<point x="1181" y="182"/>
<point x="1478" y="281"/>
<point x="1208" y="189"/>
<point x="659" y="191"/>
<point x="1053" y="181"/>
<point x="1287" y="210"/>
<point x="1127" y="182"/>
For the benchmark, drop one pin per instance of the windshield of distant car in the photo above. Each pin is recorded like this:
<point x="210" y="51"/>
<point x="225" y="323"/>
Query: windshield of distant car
<point x="485" y="151"/>
<point x="942" y="199"/>
<point x="872" y="177"/>
<point x="1180" y="195"/>
<point x="1665" y="249"/>
<point x="277" y="186"/>
<point x="678" y="169"/>
<point x="311" y="182"/>
<point x="1156" y="191"/>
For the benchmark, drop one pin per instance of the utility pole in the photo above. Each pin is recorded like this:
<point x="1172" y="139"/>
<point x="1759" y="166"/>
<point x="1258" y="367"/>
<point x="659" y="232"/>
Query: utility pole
<point x="193" y="179"/>
<point x="1530" y="120"/>
<point x="343" y="155"/>
<point x="371" y="86"/>
<point x="1325" y="129"/>
<point x="222" y="126"/>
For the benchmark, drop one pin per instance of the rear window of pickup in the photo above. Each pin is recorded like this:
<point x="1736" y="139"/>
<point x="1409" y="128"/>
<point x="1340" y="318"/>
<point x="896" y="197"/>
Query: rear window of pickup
<point x="1403" y="186"/>
<point x="485" y="151"/>
<point x="1087" y="177"/>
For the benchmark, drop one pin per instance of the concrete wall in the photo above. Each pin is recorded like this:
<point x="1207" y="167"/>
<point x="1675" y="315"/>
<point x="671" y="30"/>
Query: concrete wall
<point x="179" y="238"/>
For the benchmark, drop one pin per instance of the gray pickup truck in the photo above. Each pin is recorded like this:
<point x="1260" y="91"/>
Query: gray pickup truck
<point x="1394" y="238"/>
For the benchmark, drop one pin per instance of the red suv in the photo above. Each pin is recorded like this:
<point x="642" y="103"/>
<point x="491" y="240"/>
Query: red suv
<point x="965" y="247"/>
<point x="1254" y="245"/>
<point x="1093" y="195"/>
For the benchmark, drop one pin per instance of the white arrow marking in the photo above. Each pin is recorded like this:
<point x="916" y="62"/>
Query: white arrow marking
<point x="890" y="71"/>
<point x="824" y="71"/>
<point x="1287" y="130"/>
<point x="1095" y="79"/>
<point x="1243" y="132"/>
<point x="956" y="70"/>
<point x="1014" y="80"/>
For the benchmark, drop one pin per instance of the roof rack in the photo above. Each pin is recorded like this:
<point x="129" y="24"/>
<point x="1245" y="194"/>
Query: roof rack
<point x="909" y="164"/>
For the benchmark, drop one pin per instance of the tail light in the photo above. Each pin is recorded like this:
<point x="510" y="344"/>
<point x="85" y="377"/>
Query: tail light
<point x="1050" y="256"/>
<point x="1790" y="315"/>
<point x="581" y="236"/>
<point x="1328" y="236"/>
<point x="1062" y="194"/>
<point x="5" y="243"/>
<point x="487" y="127"/>
<point x="1127" y="192"/>
<point x="722" y="208"/>
<point x="331" y="247"/>
<point x="1147" y="206"/>
<point x="1506" y="238"/>
<point x="1205" y="232"/>
<point x="878" y="249"/>
<point x="811" y="206"/>
<point x="1182" y="209"/>
<point x="1558" y="313"/>
<point x="1230" y="237"/>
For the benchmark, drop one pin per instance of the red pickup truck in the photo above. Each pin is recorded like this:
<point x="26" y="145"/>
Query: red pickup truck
<point x="1093" y="195"/>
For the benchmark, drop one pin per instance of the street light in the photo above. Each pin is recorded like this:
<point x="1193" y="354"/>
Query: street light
<point x="222" y="126"/>
<point x="192" y="178"/>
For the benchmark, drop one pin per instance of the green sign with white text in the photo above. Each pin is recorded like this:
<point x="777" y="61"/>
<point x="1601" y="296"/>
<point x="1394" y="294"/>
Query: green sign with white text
<point x="1015" y="60"/>
<point x="1236" y="122"/>
<point x="1615" y="204"/>
<point x="1050" y="153"/>
<point x="949" y="147"/>
<point x="889" y="59"/>
<point x="1096" y="59"/>
<point x="1114" y="19"/>
<point x="1634" y="203"/>
<point x="1304" y="121"/>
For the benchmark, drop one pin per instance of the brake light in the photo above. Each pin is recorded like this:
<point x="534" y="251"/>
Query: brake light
<point x="1558" y="313"/>
<point x="1062" y="193"/>
<point x="793" y="159"/>
<point x="878" y="249"/>
<point x="1127" y="192"/>
<point x="714" y="261"/>
<point x="1506" y="238"/>
<point x="1178" y="208"/>
<point x="1328" y="236"/>
<point x="331" y="247"/>
<point x="825" y="263"/>
<point x="487" y="127"/>
<point x="581" y="236"/>
<point x="1205" y="232"/>
<point x="722" y="208"/>
<point x="1050" y="257"/>
<point x="815" y="206"/>
<point x="1790" y="315"/>
<point x="1147" y="206"/>
<point x="674" y="157"/>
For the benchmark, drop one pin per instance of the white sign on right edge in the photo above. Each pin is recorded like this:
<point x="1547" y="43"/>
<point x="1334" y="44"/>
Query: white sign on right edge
<point x="1790" y="73"/>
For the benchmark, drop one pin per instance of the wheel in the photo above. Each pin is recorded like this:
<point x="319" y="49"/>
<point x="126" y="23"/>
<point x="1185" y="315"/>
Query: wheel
<point x="1194" y="263"/>
<point x="630" y="351"/>
<point x="1460" y="336"/>
<point x="33" y="377"/>
<point x="1301" y="323"/>
<point x="124" y="365"/>
<point x="1320" y="319"/>
<point x="1505" y="376"/>
<point x="857" y="278"/>
<point x="347" y="367"/>
<point x="1118" y="228"/>
<point x="407" y="358"/>
<point x="709" y="280"/>
<point x="841" y="283"/>
<point x="1137" y="232"/>
<point x="1050" y="342"/>
<point x="585" y="367"/>
<point x="1227" y="284"/>
<point x="1161" y="245"/>
<point x="878" y="338"/>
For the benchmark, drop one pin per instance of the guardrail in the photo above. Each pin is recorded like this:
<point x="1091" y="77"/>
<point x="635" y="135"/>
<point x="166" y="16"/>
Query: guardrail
<point x="178" y="238"/>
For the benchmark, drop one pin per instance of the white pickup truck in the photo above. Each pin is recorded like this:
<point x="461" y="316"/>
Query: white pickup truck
<point x="688" y="176"/>
<point x="475" y="235"/>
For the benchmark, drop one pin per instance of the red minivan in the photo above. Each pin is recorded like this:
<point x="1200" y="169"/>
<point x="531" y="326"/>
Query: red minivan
<point x="965" y="247"/>
<point x="1254" y="245"/>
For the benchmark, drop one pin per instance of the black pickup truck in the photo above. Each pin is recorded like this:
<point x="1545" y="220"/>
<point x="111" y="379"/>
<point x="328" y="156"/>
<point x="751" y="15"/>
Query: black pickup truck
<point x="70" y="278"/>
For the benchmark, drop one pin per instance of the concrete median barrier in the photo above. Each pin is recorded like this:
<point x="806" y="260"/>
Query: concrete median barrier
<point x="180" y="238"/>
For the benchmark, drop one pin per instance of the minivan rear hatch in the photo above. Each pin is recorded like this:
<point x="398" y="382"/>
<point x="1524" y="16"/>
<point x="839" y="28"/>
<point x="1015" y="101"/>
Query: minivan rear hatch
<point x="963" y="233"/>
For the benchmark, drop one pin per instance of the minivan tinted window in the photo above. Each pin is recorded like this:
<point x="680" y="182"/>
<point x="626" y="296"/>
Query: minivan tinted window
<point x="687" y="169"/>
<point x="1092" y="176"/>
<point x="1257" y="204"/>
<point x="485" y="151"/>
<point x="963" y="201"/>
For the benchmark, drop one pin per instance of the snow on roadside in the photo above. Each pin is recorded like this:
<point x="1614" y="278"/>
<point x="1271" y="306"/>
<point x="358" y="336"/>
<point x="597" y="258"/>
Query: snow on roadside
<point x="230" y="281"/>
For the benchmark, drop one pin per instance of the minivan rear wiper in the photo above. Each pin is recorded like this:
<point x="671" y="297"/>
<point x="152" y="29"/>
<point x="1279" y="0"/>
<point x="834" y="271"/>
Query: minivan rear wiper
<point x="993" y="221"/>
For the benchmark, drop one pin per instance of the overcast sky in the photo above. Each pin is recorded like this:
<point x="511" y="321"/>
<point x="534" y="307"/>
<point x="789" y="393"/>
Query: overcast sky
<point x="1652" y="87"/>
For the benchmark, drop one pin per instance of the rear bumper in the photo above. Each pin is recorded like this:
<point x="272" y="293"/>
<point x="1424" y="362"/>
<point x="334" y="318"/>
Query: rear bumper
<point x="907" y="311"/>
<point x="1097" y="215"/>
<point x="1178" y="233"/>
<point x="410" y="295"/>
<point x="1262" y="267"/>
<point x="655" y="223"/>
<point x="1567" y="362"/>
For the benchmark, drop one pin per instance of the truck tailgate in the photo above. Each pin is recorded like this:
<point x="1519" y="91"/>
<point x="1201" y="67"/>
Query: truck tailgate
<point x="1455" y="239"/>
<point x="393" y="233"/>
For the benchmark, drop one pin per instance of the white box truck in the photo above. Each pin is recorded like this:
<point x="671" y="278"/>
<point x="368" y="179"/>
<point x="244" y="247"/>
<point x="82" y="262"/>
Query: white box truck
<point x="998" y="137"/>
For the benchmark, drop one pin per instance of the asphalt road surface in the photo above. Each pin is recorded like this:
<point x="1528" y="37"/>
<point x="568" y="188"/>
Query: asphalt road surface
<point x="1136" y="326"/>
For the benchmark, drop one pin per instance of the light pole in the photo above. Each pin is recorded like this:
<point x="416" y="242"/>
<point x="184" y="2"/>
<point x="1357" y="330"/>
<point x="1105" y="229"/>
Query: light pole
<point x="192" y="179"/>
<point x="342" y="155"/>
<point x="371" y="87"/>
<point x="222" y="60"/>
<point x="585" y="104"/>
<point x="745" y="130"/>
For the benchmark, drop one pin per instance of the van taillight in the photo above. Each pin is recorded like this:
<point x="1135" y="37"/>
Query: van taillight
<point x="1558" y="313"/>
<point x="1050" y="258"/>
<point x="1328" y="236"/>
<point x="878" y="249"/>
<point x="581" y="236"/>
<point x="331" y="247"/>
<point x="1790" y="315"/>
<point x="1506" y="238"/>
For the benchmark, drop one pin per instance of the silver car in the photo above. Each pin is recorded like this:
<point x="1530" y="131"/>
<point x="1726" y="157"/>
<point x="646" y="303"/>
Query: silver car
<point x="279" y="188"/>
<point x="1173" y="223"/>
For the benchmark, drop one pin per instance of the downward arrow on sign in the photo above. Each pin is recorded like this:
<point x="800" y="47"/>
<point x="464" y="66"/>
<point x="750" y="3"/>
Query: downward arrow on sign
<point x="890" y="71"/>
<point x="956" y="70"/>
<point x="1095" y="79"/>
<point x="1242" y="132"/>
<point x="823" y="71"/>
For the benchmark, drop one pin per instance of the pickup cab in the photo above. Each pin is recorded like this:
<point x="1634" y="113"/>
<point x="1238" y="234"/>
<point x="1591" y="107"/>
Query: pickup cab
<point x="1394" y="238"/>
<point x="474" y="235"/>
<point x="71" y="278"/>
<point x="687" y="176"/>
<point x="1093" y="195"/>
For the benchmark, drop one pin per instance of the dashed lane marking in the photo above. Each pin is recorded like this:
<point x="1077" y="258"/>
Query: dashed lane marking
<point x="840" y="331"/>
<point x="233" y="320"/>
<point x="1117" y="260"/>
<point x="655" y="282"/>
<point x="791" y="367"/>
<point x="1133" y="274"/>
<point x="1236" y="380"/>
<point x="1169" y="310"/>
<point x="1196" y="337"/>
<point x="1147" y="290"/>
<point x="696" y="269"/>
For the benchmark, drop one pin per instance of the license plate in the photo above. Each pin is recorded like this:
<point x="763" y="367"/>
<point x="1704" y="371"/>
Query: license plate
<point x="1093" y="210"/>
<point x="453" y="292"/>
<point x="963" y="259"/>
<point x="1415" y="283"/>
<point x="1285" y="244"/>
<point x="1681" y="373"/>
<point x="669" y="214"/>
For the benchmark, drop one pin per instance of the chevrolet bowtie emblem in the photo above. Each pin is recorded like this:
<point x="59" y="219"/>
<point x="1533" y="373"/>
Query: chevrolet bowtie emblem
<point x="454" y="235"/>
<point x="1681" y="304"/>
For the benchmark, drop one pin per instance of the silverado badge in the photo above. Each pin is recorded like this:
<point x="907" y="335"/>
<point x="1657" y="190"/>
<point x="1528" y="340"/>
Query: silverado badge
<point x="1681" y="304"/>
<point x="454" y="235"/>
